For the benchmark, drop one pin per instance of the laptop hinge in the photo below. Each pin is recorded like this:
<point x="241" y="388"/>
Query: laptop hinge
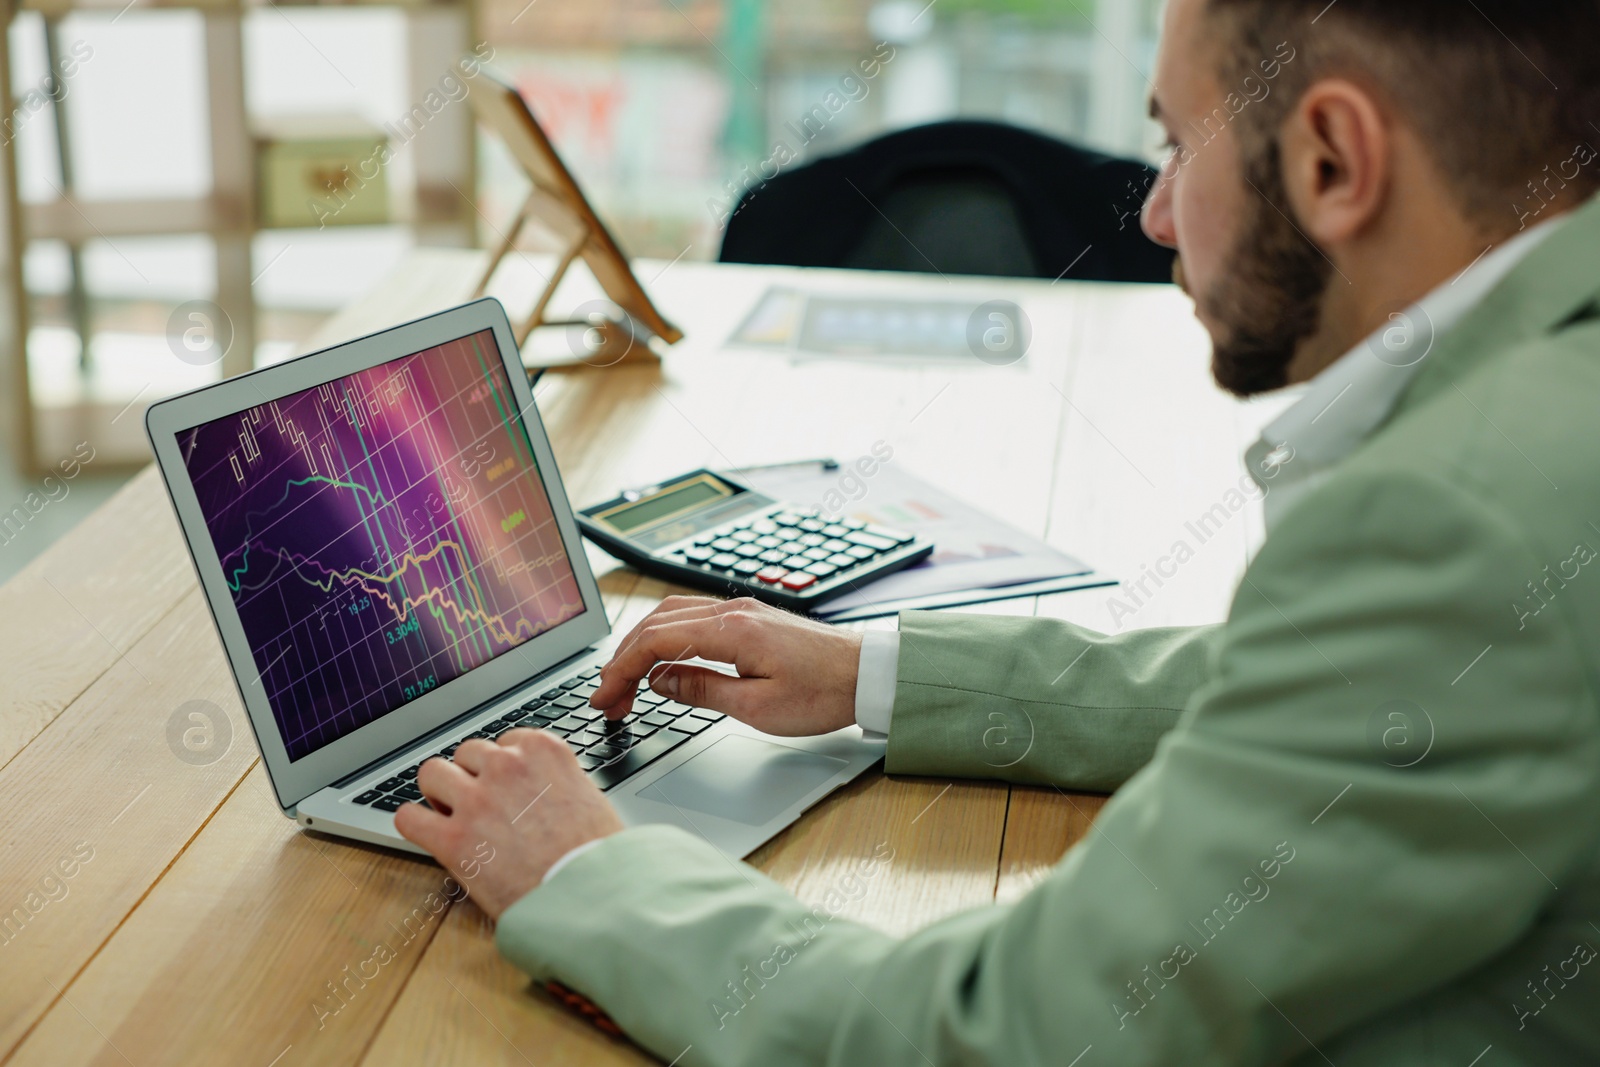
<point x="450" y="726"/>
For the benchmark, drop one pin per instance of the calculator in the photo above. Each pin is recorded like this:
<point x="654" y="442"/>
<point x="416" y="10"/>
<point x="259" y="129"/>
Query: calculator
<point x="712" y="532"/>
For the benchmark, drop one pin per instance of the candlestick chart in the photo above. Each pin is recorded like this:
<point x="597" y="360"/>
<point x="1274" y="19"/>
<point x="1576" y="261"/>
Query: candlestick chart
<point x="381" y="535"/>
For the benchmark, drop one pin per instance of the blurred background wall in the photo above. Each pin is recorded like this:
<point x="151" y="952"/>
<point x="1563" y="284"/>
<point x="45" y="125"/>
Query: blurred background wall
<point x="665" y="110"/>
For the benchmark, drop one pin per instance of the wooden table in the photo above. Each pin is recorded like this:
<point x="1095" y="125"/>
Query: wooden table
<point x="198" y="925"/>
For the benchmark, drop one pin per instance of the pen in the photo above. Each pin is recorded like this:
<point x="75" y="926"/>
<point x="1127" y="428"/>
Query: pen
<point x="827" y="464"/>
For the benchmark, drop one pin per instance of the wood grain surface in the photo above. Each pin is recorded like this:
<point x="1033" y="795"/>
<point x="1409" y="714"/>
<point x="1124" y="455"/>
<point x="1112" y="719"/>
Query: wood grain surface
<point x="200" y="926"/>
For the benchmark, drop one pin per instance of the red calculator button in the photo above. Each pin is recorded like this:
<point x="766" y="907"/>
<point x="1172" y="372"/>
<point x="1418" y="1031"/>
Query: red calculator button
<point x="772" y="575"/>
<point x="798" y="581"/>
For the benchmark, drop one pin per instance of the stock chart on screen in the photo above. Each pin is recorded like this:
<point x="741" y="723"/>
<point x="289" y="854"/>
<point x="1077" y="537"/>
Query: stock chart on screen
<point x="381" y="534"/>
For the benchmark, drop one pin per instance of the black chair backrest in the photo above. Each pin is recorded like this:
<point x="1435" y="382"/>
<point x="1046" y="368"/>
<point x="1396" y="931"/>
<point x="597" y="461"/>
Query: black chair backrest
<point x="959" y="197"/>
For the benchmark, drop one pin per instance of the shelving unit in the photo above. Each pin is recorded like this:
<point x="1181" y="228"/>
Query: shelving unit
<point x="437" y="210"/>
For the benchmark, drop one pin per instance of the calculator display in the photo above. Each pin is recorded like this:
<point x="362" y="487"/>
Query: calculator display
<point x="675" y="500"/>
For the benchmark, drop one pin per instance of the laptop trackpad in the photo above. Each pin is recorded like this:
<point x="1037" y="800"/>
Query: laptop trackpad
<point x="744" y="780"/>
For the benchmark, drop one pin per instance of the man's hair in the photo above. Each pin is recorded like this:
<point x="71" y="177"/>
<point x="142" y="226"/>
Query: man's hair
<point x="1504" y="93"/>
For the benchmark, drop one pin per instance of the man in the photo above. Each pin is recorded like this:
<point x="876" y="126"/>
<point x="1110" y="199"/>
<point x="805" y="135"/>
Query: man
<point x="1357" y="823"/>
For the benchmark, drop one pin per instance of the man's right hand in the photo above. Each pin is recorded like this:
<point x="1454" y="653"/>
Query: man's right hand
<point x="797" y="677"/>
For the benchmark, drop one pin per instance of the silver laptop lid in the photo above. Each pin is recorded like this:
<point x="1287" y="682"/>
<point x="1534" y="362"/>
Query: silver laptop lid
<point x="382" y="536"/>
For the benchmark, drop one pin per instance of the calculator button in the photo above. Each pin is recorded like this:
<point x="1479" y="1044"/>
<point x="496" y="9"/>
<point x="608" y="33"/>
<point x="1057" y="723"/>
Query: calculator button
<point x="785" y="518"/>
<point x="872" y="541"/>
<point x="744" y="535"/>
<point x="833" y="544"/>
<point x="724" y="544"/>
<point x="860" y="552"/>
<point x="794" y="548"/>
<point x="812" y="525"/>
<point x="811" y="540"/>
<point x="794" y="563"/>
<point x="852" y="524"/>
<point x="748" y="551"/>
<point x="697" y="554"/>
<point x="723" y="560"/>
<point x="822" y="570"/>
<point x="777" y="555"/>
<point x="772" y="575"/>
<point x="799" y="580"/>
<point x="833" y="529"/>
<point x="747" y="567"/>
<point x="842" y="561"/>
<point x="897" y="536"/>
<point x="818" y="554"/>
<point x="764" y="527"/>
<point x="769" y="542"/>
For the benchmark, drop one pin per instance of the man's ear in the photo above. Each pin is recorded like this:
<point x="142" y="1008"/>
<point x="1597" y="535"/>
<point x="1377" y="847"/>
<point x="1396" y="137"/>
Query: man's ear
<point x="1337" y="155"/>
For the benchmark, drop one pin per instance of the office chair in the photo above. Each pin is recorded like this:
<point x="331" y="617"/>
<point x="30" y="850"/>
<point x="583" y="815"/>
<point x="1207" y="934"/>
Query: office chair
<point x="962" y="197"/>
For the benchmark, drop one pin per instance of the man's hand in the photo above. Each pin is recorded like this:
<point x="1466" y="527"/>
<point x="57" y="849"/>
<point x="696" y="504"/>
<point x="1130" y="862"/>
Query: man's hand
<point x="503" y="813"/>
<point x="797" y="677"/>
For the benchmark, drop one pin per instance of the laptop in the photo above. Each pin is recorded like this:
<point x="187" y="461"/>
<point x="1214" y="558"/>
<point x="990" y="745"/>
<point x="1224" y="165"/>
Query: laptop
<point x="393" y="567"/>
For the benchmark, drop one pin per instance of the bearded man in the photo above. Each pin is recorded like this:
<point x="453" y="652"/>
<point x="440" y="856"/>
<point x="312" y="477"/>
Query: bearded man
<point x="1406" y="222"/>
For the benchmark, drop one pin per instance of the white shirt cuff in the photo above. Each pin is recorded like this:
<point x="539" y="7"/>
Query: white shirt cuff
<point x="876" y="676"/>
<point x="572" y="854"/>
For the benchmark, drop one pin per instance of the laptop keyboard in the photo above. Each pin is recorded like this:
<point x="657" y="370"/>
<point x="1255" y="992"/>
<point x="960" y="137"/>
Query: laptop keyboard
<point x="610" y="752"/>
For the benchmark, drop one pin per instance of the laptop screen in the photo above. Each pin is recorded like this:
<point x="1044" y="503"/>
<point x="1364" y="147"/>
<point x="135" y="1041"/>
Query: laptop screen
<point x="381" y="534"/>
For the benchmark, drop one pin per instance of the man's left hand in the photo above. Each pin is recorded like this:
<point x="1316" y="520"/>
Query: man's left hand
<point x="503" y="813"/>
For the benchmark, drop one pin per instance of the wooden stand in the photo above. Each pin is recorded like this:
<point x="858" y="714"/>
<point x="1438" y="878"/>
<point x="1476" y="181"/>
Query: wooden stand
<point x="556" y="202"/>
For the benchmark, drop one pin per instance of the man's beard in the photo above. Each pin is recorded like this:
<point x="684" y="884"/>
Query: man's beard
<point x="1270" y="299"/>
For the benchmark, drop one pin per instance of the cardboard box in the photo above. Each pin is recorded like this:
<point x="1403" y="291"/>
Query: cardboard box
<point x="320" y="171"/>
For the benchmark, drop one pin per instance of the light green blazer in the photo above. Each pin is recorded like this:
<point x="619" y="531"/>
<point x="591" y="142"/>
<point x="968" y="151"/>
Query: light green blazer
<point x="1357" y="824"/>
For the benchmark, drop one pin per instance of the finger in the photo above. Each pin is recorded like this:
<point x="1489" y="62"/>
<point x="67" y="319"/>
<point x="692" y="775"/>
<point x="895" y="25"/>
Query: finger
<point x="702" y="688"/>
<point x="726" y="637"/>
<point x="669" y="606"/>
<point x="443" y="783"/>
<point x="615" y="689"/>
<point x="534" y="746"/>
<point x="473" y="753"/>
<point x="424" y="827"/>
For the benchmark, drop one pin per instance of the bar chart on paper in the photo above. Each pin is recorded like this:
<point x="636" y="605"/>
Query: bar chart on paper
<point x="381" y="534"/>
